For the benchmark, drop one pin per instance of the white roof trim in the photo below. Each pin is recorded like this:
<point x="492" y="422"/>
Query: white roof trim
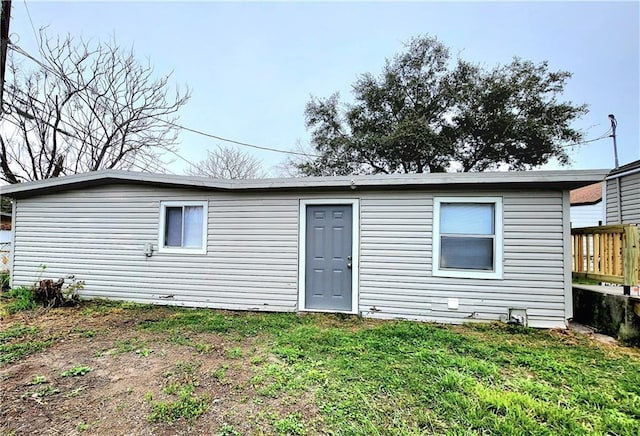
<point x="626" y="173"/>
<point x="568" y="178"/>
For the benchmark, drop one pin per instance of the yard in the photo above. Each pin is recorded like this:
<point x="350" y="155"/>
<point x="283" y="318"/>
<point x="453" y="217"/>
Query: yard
<point x="112" y="368"/>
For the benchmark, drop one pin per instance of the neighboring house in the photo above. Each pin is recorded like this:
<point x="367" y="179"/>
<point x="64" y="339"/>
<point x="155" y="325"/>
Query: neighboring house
<point x="587" y="207"/>
<point x="623" y="195"/>
<point x="434" y="247"/>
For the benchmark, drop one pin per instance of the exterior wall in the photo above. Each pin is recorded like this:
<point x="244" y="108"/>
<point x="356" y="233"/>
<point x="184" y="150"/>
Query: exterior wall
<point x="630" y="199"/>
<point x="395" y="262"/>
<point x="98" y="234"/>
<point x="587" y="215"/>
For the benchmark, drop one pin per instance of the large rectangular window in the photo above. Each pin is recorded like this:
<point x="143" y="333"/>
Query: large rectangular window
<point x="183" y="227"/>
<point x="467" y="237"/>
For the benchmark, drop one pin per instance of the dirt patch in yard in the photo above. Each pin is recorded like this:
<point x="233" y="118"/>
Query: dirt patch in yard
<point x="105" y="368"/>
<point x="103" y="374"/>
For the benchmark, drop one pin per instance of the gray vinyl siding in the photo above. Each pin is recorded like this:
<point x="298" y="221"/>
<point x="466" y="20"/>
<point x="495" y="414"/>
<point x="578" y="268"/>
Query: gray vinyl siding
<point x="98" y="234"/>
<point x="629" y="199"/>
<point x="395" y="262"/>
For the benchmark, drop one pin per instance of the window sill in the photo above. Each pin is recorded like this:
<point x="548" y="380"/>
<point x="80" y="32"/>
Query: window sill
<point x="493" y="275"/>
<point x="179" y="250"/>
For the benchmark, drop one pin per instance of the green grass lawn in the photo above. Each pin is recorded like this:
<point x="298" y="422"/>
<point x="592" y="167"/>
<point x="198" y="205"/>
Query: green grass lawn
<point x="373" y="377"/>
<point x="415" y="378"/>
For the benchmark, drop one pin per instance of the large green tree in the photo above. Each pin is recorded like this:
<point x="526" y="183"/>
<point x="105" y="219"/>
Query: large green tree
<point x="428" y="113"/>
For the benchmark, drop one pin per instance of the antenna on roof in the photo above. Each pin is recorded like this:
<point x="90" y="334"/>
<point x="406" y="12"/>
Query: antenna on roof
<point x="614" y="124"/>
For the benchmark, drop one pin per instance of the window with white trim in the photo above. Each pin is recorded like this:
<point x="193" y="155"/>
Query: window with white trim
<point x="467" y="237"/>
<point x="183" y="227"/>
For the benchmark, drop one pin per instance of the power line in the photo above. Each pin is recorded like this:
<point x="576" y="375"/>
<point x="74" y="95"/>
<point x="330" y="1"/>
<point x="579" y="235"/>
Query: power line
<point x="71" y="145"/>
<point x="603" y="136"/>
<point x="27" y="115"/>
<point x="77" y="149"/>
<point x="21" y="51"/>
<point x="26" y="7"/>
<point x="260" y="147"/>
<point x="46" y="67"/>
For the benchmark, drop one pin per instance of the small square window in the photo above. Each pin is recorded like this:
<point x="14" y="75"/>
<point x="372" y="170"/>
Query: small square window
<point x="467" y="237"/>
<point x="183" y="227"/>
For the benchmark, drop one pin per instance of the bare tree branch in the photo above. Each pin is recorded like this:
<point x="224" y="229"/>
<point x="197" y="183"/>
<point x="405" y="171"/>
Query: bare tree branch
<point x="228" y="163"/>
<point x="88" y="107"/>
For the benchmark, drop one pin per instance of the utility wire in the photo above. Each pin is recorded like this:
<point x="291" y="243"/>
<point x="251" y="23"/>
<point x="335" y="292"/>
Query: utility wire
<point x="76" y="148"/>
<point x="26" y="7"/>
<point x="27" y="115"/>
<point x="260" y="147"/>
<point x="21" y="51"/>
<point x="52" y="71"/>
<point x="21" y="112"/>
<point x="603" y="136"/>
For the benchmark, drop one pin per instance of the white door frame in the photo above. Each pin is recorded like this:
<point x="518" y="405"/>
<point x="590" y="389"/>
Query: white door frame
<point x="355" y="250"/>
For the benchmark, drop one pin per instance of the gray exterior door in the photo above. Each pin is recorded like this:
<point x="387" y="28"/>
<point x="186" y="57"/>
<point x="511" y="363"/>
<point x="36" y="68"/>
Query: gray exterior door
<point x="328" y="257"/>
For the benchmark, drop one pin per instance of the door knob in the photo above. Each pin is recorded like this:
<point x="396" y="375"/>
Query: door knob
<point x="349" y="265"/>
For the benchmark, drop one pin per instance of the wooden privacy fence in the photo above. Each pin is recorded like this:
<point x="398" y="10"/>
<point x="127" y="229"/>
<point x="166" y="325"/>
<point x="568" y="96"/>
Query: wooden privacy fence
<point x="607" y="254"/>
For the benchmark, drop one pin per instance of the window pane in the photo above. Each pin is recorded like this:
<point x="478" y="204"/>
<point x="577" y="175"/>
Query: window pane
<point x="466" y="253"/>
<point x="466" y="218"/>
<point x="193" y="226"/>
<point x="173" y="227"/>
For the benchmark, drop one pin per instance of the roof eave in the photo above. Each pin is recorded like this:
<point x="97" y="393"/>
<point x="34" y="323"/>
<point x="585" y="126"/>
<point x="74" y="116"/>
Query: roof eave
<point x="568" y="179"/>
<point x="625" y="170"/>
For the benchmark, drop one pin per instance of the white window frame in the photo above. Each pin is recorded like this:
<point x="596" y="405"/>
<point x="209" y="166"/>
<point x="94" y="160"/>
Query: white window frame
<point x="498" y="240"/>
<point x="355" y="251"/>
<point x="161" y="230"/>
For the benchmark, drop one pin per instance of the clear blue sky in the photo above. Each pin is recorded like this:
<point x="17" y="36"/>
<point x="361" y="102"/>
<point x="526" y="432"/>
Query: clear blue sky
<point x="253" y="66"/>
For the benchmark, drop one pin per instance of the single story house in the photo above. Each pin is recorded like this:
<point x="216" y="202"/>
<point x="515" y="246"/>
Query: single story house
<point x="587" y="207"/>
<point x="623" y="194"/>
<point x="447" y="247"/>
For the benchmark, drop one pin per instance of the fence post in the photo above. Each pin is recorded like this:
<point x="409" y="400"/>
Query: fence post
<point x="630" y="258"/>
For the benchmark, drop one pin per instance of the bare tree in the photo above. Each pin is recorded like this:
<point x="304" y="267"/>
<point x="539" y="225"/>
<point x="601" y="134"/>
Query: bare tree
<point x="293" y="164"/>
<point x="85" y="108"/>
<point x="228" y="163"/>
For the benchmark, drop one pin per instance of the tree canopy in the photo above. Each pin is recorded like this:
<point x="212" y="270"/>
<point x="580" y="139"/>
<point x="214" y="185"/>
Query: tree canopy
<point x="84" y="107"/>
<point x="427" y="113"/>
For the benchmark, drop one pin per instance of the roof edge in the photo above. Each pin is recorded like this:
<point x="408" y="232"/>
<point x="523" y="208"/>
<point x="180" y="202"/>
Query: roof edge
<point x="565" y="179"/>
<point x="624" y="170"/>
<point x="587" y="203"/>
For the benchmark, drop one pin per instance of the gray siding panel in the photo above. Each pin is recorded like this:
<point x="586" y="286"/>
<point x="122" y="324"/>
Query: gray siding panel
<point x="630" y="199"/>
<point x="395" y="262"/>
<point x="98" y="234"/>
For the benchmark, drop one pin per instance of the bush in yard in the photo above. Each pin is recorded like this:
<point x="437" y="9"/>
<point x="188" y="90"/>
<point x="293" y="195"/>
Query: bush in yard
<point x="22" y="298"/>
<point x="5" y="277"/>
<point x="55" y="294"/>
<point x="44" y="292"/>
